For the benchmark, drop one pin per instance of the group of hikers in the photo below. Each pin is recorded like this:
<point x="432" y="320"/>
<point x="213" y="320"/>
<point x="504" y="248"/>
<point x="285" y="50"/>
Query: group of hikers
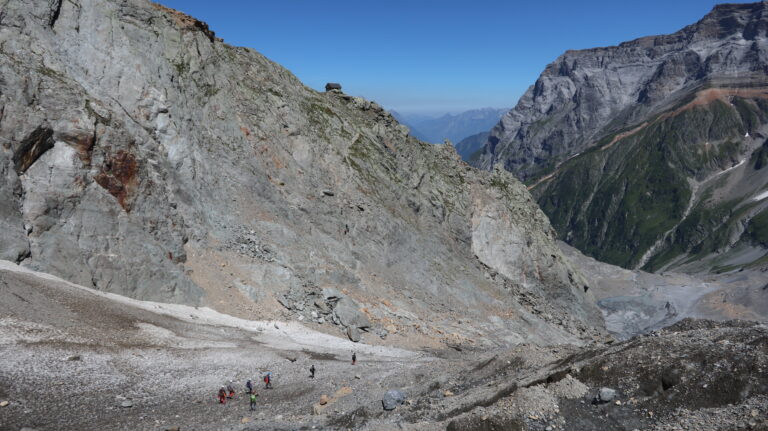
<point x="228" y="392"/>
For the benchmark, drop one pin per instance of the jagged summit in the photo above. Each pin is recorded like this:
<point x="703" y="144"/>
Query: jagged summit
<point x="586" y="94"/>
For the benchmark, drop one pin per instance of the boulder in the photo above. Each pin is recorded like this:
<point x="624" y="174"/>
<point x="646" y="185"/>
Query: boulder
<point x="670" y="377"/>
<point x="324" y="399"/>
<point x="392" y="398"/>
<point x="331" y="293"/>
<point x="322" y="306"/>
<point x="353" y="333"/>
<point x="349" y="314"/>
<point x="284" y="302"/>
<point x="605" y="395"/>
<point x="126" y="404"/>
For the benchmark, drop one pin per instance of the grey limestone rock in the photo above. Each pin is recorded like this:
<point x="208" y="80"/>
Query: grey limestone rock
<point x="392" y="398"/>
<point x="605" y="395"/>
<point x="141" y="155"/>
<point x="330" y="293"/>
<point x="353" y="333"/>
<point x="349" y="314"/>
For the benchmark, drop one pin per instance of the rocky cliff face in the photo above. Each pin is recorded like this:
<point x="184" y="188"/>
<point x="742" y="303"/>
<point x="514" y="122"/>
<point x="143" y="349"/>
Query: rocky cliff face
<point x="638" y="153"/>
<point x="141" y="155"/>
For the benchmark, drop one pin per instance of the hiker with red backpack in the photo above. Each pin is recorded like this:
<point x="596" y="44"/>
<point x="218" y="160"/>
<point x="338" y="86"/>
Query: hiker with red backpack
<point x="268" y="381"/>
<point x="222" y="396"/>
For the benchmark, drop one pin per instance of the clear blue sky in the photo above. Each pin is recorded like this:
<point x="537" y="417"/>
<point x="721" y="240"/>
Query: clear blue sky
<point x="433" y="56"/>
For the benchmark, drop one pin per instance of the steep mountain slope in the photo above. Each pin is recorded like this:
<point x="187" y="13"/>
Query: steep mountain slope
<point x="143" y="156"/>
<point x="649" y="154"/>
<point x="454" y="127"/>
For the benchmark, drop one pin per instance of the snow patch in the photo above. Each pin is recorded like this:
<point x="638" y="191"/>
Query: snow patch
<point x="760" y="196"/>
<point x="14" y="331"/>
<point x="166" y="337"/>
<point x="290" y="335"/>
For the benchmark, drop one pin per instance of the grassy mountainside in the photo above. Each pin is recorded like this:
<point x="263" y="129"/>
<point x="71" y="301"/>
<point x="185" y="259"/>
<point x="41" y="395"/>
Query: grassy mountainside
<point x="663" y="189"/>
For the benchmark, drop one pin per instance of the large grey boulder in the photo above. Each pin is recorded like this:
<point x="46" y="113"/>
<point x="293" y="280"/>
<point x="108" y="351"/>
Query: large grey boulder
<point x="330" y="293"/>
<point x="349" y="314"/>
<point x="605" y="395"/>
<point x="392" y="398"/>
<point x="353" y="333"/>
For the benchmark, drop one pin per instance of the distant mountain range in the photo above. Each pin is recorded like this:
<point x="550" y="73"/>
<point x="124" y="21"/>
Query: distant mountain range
<point x="652" y="153"/>
<point x="454" y="127"/>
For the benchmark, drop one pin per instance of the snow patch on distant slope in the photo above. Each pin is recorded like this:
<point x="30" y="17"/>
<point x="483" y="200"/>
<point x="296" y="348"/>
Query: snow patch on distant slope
<point x="760" y="196"/>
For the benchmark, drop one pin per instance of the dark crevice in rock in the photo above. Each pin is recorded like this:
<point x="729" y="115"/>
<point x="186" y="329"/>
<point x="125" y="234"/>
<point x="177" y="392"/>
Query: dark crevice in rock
<point x="501" y="393"/>
<point x="550" y="378"/>
<point x="31" y="148"/>
<point x="24" y="256"/>
<point x="55" y="11"/>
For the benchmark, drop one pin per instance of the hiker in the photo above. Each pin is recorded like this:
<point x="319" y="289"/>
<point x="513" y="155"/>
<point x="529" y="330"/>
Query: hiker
<point x="249" y="386"/>
<point x="312" y="371"/>
<point x="222" y="396"/>
<point x="231" y="391"/>
<point x="253" y="400"/>
<point x="268" y="381"/>
<point x="354" y="358"/>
